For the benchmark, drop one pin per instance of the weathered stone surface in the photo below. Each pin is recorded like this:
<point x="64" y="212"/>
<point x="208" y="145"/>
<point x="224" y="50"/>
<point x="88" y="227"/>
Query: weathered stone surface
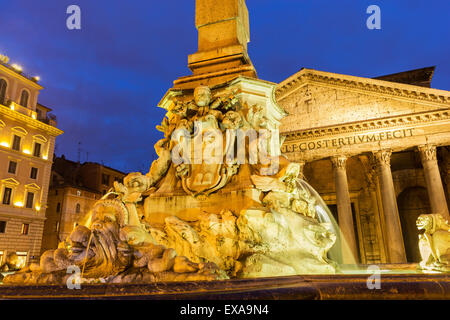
<point x="221" y="24"/>
<point x="223" y="34"/>
<point x="308" y="287"/>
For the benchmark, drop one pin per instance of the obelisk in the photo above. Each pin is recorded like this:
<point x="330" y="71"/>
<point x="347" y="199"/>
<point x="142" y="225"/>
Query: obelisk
<point x="223" y="34"/>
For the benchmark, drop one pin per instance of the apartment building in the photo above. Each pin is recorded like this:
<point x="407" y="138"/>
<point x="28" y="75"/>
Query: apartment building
<point x="27" y="140"/>
<point x="74" y="189"/>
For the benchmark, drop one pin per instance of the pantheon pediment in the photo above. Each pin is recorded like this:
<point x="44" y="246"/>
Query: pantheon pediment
<point x="316" y="99"/>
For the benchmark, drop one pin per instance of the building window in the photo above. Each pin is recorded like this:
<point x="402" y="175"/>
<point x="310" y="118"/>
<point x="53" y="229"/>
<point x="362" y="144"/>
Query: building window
<point x="78" y="193"/>
<point x="12" y="167"/>
<point x="22" y="259"/>
<point x="2" y="226"/>
<point x="7" y="192"/>
<point x="25" y="228"/>
<point x="58" y="207"/>
<point x="37" y="149"/>
<point x="3" y="86"/>
<point x="34" y="172"/>
<point x="2" y="255"/>
<point x="16" y="142"/>
<point x="24" y="98"/>
<point x="78" y="208"/>
<point x="105" y="179"/>
<point x="39" y="114"/>
<point x="30" y="200"/>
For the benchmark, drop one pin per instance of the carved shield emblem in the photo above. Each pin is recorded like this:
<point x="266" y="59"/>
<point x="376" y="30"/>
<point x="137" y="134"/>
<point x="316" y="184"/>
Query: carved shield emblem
<point x="206" y="173"/>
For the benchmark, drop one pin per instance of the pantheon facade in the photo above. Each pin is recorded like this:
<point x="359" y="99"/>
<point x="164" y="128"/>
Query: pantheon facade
<point x="377" y="151"/>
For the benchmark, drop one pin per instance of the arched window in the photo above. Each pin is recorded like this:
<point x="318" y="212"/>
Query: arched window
<point x="78" y="208"/>
<point x="3" y="86"/>
<point x="24" y="98"/>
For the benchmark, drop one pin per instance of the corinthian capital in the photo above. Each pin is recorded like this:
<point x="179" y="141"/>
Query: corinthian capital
<point x="339" y="162"/>
<point x="383" y="157"/>
<point x="427" y="152"/>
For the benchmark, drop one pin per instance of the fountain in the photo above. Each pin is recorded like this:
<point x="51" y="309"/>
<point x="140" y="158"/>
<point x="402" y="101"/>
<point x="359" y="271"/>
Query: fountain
<point x="219" y="203"/>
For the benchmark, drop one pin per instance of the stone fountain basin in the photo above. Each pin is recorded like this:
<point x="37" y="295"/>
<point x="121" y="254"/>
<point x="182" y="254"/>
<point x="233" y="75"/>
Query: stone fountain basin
<point x="402" y="283"/>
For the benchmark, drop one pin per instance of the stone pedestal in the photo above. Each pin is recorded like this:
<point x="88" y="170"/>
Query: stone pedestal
<point x="394" y="238"/>
<point x="189" y="208"/>
<point x="435" y="188"/>
<point x="305" y="287"/>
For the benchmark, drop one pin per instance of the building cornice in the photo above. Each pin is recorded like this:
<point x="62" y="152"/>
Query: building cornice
<point x="20" y="76"/>
<point x="387" y="88"/>
<point x="19" y="214"/>
<point x="407" y="120"/>
<point x="23" y="156"/>
<point x="53" y="131"/>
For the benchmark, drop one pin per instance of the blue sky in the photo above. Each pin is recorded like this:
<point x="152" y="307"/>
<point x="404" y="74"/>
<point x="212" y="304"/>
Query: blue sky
<point x="104" y="81"/>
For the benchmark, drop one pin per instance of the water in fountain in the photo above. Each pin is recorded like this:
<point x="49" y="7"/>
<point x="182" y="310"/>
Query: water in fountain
<point x="341" y="248"/>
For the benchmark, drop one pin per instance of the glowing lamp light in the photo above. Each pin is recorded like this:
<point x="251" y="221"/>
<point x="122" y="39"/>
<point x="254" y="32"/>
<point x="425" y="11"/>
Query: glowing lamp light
<point x="38" y="208"/>
<point x="4" y="58"/>
<point x="4" y="144"/>
<point x="36" y="78"/>
<point x="33" y="116"/>
<point x="26" y="151"/>
<point x="45" y="157"/>
<point x="17" y="67"/>
<point x="18" y="204"/>
<point x="12" y="106"/>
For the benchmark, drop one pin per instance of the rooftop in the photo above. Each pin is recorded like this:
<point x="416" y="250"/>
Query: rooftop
<point x="17" y="69"/>
<point x="418" y="77"/>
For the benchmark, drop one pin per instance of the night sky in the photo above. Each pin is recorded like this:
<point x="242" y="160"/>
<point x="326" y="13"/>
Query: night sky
<point x="104" y="81"/>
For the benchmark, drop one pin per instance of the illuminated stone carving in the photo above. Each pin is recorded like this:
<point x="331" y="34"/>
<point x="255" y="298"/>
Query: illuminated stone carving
<point x="383" y="157"/>
<point x="339" y="162"/>
<point x="215" y="148"/>
<point x="114" y="247"/>
<point x="427" y="152"/>
<point x="434" y="243"/>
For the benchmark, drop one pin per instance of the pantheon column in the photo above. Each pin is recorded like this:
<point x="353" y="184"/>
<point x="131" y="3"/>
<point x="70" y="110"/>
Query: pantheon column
<point x="433" y="179"/>
<point x="302" y="164"/>
<point x="344" y="209"/>
<point x="394" y="238"/>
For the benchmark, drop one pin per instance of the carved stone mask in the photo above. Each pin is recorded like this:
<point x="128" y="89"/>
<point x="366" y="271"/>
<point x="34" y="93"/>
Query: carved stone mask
<point x="202" y="96"/>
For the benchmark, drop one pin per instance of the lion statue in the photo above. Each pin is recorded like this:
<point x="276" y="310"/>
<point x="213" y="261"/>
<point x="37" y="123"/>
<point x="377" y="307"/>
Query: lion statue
<point x="434" y="243"/>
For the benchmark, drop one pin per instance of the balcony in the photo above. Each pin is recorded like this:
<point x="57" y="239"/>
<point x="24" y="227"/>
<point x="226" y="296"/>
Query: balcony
<point x="49" y="119"/>
<point x="17" y="107"/>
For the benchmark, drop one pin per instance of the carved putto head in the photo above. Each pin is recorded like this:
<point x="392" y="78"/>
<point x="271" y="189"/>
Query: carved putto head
<point x="202" y="96"/>
<point x="232" y="120"/>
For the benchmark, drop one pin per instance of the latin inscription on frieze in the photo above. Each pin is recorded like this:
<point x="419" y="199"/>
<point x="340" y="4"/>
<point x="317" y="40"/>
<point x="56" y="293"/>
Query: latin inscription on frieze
<point x="347" y="141"/>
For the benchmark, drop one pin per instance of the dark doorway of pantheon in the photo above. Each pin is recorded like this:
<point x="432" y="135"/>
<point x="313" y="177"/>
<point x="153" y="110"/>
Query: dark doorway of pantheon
<point x="412" y="202"/>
